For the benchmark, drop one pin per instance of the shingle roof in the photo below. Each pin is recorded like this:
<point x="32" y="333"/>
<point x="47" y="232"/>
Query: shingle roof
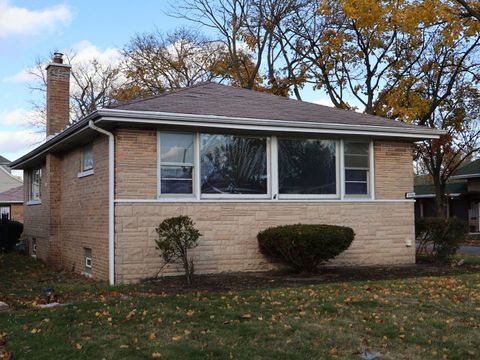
<point x="4" y="161"/>
<point x="12" y="195"/>
<point x="469" y="169"/>
<point x="221" y="100"/>
<point x="451" y="188"/>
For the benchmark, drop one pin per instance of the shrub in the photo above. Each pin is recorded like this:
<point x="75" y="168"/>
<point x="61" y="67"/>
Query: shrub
<point x="304" y="247"/>
<point x="10" y="232"/>
<point x="176" y="236"/>
<point x="444" y="235"/>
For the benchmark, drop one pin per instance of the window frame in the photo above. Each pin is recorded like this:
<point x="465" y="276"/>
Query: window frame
<point x="272" y="149"/>
<point x="9" y="213"/>
<point x="31" y="199"/>
<point x="268" y="195"/>
<point x="83" y="169"/>
<point x="369" y="170"/>
<point x="310" y="196"/>
<point x="160" y="164"/>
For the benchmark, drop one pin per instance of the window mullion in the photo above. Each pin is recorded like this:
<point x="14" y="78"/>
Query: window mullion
<point x="196" y="167"/>
<point x="342" y="170"/>
<point x="274" y="167"/>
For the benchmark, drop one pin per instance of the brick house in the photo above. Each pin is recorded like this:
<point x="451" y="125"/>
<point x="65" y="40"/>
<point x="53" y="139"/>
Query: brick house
<point x="236" y="161"/>
<point x="11" y="204"/>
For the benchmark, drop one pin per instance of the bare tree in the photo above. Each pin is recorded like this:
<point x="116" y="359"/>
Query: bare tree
<point x="155" y="62"/>
<point x="252" y="32"/>
<point x="469" y="8"/>
<point x="92" y="86"/>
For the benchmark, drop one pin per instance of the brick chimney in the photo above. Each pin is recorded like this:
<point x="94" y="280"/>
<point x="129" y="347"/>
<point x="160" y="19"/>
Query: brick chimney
<point x="58" y="92"/>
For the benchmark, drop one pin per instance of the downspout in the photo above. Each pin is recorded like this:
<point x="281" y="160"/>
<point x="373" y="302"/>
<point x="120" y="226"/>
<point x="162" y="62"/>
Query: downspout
<point x="111" y="204"/>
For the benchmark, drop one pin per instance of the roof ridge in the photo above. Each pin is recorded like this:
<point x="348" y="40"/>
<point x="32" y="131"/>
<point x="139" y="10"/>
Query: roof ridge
<point x="166" y="93"/>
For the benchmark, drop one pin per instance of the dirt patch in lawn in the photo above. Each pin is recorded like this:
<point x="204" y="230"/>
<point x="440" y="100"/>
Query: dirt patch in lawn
<point x="264" y="280"/>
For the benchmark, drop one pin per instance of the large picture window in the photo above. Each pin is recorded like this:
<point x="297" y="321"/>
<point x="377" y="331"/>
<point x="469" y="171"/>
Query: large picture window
<point x="176" y="163"/>
<point x="35" y="185"/>
<point x="357" y="168"/>
<point x="232" y="164"/>
<point x="307" y="167"/>
<point x="195" y="166"/>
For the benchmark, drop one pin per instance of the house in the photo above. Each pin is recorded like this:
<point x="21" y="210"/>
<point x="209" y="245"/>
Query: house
<point x="463" y="193"/>
<point x="236" y="161"/>
<point x="11" y="204"/>
<point x="7" y="180"/>
<point x="11" y="195"/>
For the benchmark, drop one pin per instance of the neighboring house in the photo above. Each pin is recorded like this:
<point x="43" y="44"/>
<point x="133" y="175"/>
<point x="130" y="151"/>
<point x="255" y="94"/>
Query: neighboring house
<point x="463" y="192"/>
<point x="11" y="204"/>
<point x="7" y="180"/>
<point x="236" y="161"/>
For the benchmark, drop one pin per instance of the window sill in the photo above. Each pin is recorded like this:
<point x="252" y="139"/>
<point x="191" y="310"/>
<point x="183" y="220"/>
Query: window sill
<point x="85" y="173"/>
<point x="34" y="202"/>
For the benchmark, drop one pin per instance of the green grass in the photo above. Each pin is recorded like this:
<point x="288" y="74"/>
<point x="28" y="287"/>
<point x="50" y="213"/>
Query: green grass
<point x="422" y="318"/>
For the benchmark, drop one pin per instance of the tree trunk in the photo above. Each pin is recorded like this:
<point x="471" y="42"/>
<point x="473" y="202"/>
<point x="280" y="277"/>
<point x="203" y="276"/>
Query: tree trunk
<point x="440" y="200"/>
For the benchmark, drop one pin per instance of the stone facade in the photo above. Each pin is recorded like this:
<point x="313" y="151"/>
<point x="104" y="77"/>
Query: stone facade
<point x="73" y="214"/>
<point x="229" y="231"/>
<point x="384" y="229"/>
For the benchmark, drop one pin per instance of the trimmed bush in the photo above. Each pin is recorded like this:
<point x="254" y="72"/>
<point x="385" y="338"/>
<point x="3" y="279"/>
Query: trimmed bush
<point x="304" y="247"/>
<point x="10" y="232"/>
<point x="176" y="236"/>
<point x="444" y="235"/>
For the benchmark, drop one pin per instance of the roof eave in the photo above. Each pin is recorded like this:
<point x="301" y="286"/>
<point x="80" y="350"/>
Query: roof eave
<point x="263" y="124"/>
<point x="465" y="176"/>
<point x="214" y="121"/>
<point x="50" y="143"/>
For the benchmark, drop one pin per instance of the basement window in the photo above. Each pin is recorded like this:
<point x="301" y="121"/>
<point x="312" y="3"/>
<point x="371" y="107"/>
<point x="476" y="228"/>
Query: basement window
<point x="88" y="260"/>
<point x="34" y="247"/>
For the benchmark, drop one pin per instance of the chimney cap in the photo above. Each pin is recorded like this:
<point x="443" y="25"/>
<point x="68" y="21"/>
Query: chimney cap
<point x="58" y="58"/>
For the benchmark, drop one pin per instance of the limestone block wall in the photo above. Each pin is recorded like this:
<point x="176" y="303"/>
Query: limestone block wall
<point x="229" y="231"/>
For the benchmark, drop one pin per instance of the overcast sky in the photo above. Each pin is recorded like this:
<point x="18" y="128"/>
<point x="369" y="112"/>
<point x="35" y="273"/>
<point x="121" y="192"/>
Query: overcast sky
<point x="35" y="28"/>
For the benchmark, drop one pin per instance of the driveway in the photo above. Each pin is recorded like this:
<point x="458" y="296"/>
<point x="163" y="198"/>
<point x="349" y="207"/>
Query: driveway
<point x="469" y="249"/>
<point x="464" y="249"/>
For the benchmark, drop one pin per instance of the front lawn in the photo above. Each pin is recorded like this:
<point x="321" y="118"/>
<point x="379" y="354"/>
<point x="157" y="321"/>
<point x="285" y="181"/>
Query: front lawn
<point x="415" y="318"/>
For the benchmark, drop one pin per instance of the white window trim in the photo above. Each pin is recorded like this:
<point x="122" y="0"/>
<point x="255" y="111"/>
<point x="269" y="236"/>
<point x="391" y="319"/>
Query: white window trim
<point x="272" y="177"/>
<point x="85" y="173"/>
<point x="337" y="194"/>
<point x="82" y="162"/>
<point x="159" y="167"/>
<point x="370" y="175"/>
<point x="34" y="201"/>
<point x="268" y="195"/>
<point x="88" y="262"/>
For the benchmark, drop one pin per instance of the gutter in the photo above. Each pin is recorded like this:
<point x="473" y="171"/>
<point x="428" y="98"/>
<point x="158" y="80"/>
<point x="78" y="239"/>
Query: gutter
<point x="466" y="176"/>
<point x="147" y="116"/>
<point x="111" y="202"/>
<point x="225" y="122"/>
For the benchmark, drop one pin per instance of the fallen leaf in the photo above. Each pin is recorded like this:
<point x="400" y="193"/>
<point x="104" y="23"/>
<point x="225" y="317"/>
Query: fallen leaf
<point x="156" y="355"/>
<point x="78" y="346"/>
<point x="177" y="338"/>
